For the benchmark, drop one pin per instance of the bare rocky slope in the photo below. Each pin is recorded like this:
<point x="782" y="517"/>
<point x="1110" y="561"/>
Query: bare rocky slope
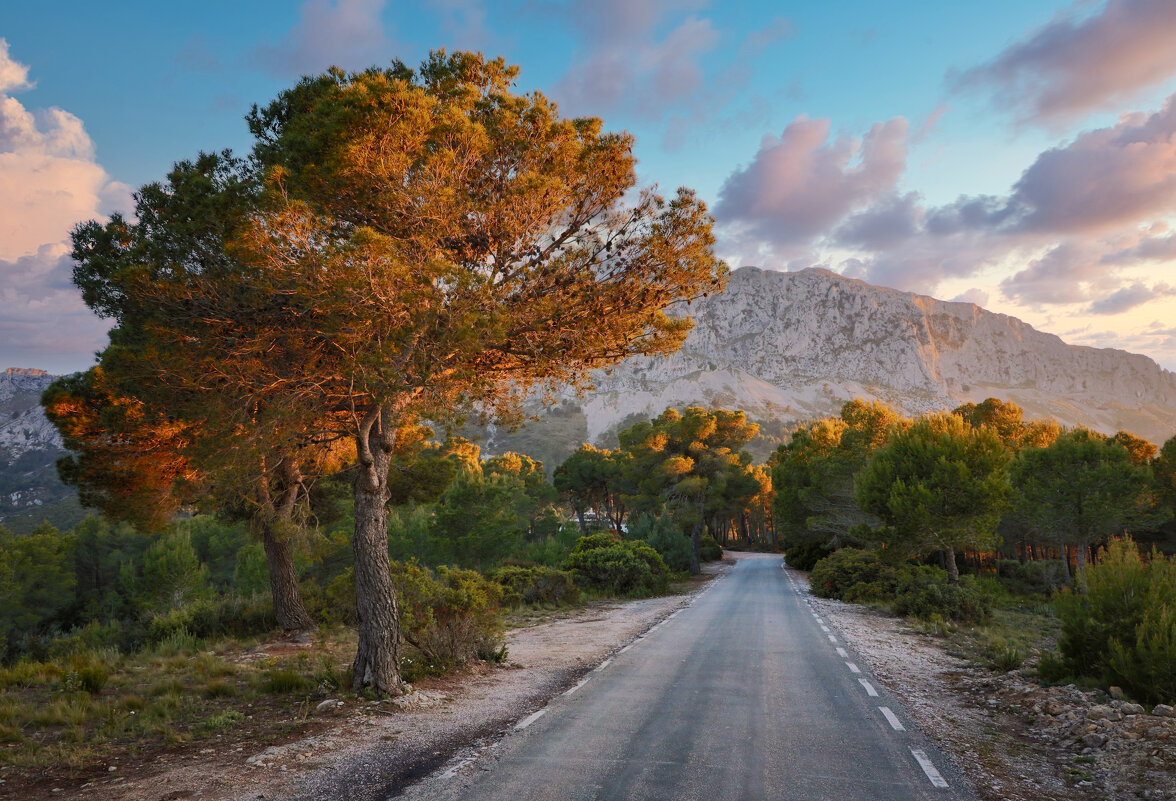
<point x="29" y="447"/>
<point x="794" y="346"/>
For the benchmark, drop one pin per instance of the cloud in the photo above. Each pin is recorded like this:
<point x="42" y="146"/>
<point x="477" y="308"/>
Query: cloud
<point x="975" y="295"/>
<point x="800" y="184"/>
<point x="625" y="65"/>
<point x="1129" y="297"/>
<point x="1076" y="64"/>
<point x="1151" y="248"/>
<point x="49" y="182"/>
<point x="13" y="75"/>
<point x="343" y="33"/>
<point x="1104" y="178"/>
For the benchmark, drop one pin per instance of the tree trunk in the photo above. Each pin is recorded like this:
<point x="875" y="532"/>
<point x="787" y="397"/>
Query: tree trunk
<point x="288" y="606"/>
<point x="1079" y="561"/>
<point x="377" y="659"/>
<point x="695" y="543"/>
<point x="953" y="571"/>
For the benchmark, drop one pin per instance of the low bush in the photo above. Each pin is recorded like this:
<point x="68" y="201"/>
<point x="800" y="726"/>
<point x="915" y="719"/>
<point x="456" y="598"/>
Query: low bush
<point x="1122" y="629"/>
<point x="1040" y="577"/>
<point x="536" y="585"/>
<point x="230" y="615"/>
<point x="805" y="556"/>
<point x="957" y="602"/>
<point x="604" y="563"/>
<point x="281" y="681"/>
<point x="449" y="617"/>
<point x="709" y="550"/>
<point x="661" y="534"/>
<point x="837" y="573"/>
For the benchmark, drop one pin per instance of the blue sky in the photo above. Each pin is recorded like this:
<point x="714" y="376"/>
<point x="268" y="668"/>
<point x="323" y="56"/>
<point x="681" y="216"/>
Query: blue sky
<point x="1020" y="155"/>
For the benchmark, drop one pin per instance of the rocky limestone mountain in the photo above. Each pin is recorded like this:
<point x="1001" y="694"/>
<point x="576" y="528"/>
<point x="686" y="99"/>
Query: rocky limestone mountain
<point x="29" y="447"/>
<point x="793" y="346"/>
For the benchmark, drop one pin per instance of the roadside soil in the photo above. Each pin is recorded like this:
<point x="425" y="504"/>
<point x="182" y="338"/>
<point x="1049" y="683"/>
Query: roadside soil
<point x="1012" y="738"/>
<point x="356" y="749"/>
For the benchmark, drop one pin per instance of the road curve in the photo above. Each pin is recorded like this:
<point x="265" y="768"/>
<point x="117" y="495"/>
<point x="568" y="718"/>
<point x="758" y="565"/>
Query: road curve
<point x="745" y="695"/>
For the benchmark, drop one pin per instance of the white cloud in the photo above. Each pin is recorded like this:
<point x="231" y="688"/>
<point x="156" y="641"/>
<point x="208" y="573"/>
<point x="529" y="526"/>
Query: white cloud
<point x="49" y="182"/>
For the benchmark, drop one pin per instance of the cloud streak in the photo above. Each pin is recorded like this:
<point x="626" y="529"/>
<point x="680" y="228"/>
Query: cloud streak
<point x="343" y="33"/>
<point x="1077" y="64"/>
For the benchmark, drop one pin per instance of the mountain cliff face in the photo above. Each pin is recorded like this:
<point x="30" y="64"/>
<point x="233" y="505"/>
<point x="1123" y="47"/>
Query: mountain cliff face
<point x="29" y="447"/>
<point x="794" y="346"/>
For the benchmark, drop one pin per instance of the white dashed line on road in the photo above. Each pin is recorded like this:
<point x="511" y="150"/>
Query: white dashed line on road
<point x="832" y="639"/>
<point x="529" y="719"/>
<point x="449" y="774"/>
<point x="578" y="685"/>
<point x="841" y="653"/>
<point x="928" y="768"/>
<point x="870" y="691"/>
<point x="891" y="718"/>
<point x="853" y="668"/>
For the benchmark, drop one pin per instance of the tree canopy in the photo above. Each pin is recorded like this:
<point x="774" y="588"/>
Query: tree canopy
<point x="404" y="245"/>
<point x="940" y="485"/>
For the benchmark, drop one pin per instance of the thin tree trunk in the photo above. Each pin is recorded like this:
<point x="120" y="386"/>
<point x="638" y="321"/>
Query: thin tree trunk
<point x="288" y="607"/>
<point x="953" y="571"/>
<point x="377" y="659"/>
<point x="289" y="610"/>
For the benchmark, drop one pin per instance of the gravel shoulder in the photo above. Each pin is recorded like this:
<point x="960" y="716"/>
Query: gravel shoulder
<point x="1013" y="739"/>
<point x="372" y="749"/>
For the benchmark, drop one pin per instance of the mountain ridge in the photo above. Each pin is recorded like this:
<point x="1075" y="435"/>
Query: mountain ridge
<point x="793" y="346"/>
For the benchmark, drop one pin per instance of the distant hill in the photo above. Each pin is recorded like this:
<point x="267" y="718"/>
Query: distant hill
<point x="793" y="346"/>
<point x="29" y="448"/>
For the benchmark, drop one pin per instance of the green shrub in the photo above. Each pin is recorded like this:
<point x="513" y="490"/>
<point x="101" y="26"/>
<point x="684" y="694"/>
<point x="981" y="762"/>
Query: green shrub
<point x="804" y="556"/>
<point x="1040" y="577"/>
<point x="834" y="575"/>
<point x="280" y="681"/>
<point x="451" y="616"/>
<point x="230" y="615"/>
<point x="709" y="549"/>
<point x="219" y="688"/>
<point x="224" y="719"/>
<point x="621" y="567"/>
<point x="1122" y="629"/>
<point x="536" y="585"/>
<point x="661" y="534"/>
<point x="958" y="602"/>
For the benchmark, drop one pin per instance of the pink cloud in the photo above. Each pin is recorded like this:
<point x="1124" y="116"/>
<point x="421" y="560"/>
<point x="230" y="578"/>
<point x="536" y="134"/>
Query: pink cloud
<point x="800" y="184"/>
<point x="1105" y="177"/>
<point x="13" y="75"/>
<point x="343" y="33"/>
<point x="625" y="65"/>
<point x="1075" y="64"/>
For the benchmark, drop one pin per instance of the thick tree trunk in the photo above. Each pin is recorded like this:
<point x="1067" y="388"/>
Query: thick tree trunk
<point x="953" y="571"/>
<point x="377" y="659"/>
<point x="288" y="606"/>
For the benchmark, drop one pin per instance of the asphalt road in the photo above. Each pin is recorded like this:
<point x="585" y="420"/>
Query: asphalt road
<point x="745" y="695"/>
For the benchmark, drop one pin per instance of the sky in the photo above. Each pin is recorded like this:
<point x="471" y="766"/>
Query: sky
<point x="1017" y="154"/>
